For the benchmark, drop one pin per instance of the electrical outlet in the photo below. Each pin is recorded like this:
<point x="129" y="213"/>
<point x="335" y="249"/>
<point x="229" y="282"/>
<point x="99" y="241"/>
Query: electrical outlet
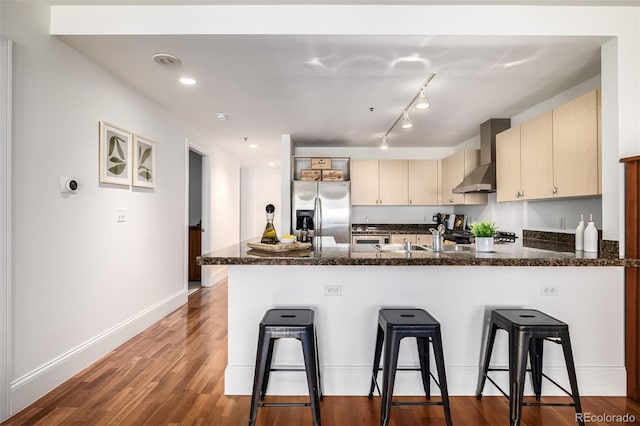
<point x="549" y="290"/>
<point x="563" y="222"/>
<point x="121" y="215"/>
<point x="333" y="290"/>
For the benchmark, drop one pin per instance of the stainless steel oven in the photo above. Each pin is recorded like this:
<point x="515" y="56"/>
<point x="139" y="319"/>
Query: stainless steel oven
<point x="370" y="239"/>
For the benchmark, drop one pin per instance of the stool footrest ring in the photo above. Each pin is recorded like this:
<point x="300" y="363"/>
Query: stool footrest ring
<point x="284" y="404"/>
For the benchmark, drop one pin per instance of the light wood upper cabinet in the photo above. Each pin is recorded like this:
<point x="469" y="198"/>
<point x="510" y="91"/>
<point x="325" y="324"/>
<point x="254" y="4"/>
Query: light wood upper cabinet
<point x="452" y="173"/>
<point x="598" y="94"/>
<point x="575" y="147"/>
<point x="364" y="182"/>
<point x="453" y="170"/>
<point x="556" y="154"/>
<point x="379" y="182"/>
<point x="524" y="160"/>
<point x="536" y="157"/>
<point x="423" y="182"/>
<point x="393" y="182"/>
<point x="508" y="165"/>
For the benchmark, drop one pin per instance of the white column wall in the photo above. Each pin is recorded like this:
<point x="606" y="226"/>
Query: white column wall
<point x="590" y="300"/>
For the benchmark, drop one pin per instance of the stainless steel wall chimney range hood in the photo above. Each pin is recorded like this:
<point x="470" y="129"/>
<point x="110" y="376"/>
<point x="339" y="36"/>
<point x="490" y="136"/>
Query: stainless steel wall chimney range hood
<point x="483" y="179"/>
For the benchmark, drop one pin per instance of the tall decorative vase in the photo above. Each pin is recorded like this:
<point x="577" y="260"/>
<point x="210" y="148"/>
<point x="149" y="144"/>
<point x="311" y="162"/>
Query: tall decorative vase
<point x="484" y="244"/>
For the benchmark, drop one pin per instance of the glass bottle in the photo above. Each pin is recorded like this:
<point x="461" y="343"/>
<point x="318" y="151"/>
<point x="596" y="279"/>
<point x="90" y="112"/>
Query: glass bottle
<point x="269" y="235"/>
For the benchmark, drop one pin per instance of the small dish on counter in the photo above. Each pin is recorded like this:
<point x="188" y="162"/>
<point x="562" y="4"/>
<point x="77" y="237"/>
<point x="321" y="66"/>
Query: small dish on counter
<point x="287" y="239"/>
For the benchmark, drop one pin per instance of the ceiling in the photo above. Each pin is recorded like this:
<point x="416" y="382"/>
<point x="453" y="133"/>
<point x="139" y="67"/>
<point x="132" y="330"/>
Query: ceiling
<point x="321" y="89"/>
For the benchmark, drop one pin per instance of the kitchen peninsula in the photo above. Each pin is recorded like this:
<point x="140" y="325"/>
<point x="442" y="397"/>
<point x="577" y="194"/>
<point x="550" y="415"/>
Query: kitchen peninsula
<point x="348" y="284"/>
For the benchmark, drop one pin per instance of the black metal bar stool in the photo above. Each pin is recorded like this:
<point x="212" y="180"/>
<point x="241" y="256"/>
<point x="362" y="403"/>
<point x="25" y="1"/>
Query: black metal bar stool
<point x="279" y="324"/>
<point x="528" y="329"/>
<point x="393" y="326"/>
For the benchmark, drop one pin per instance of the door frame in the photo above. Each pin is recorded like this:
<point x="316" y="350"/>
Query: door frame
<point x="205" y="245"/>
<point x="6" y="49"/>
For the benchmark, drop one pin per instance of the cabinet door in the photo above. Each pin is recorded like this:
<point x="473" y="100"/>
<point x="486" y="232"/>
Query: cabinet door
<point x="452" y="176"/>
<point x="472" y="162"/>
<point x="364" y="182"/>
<point x="403" y="238"/>
<point x="536" y="157"/>
<point x="424" y="239"/>
<point x="423" y="182"/>
<point x="575" y="147"/>
<point x="508" y="165"/>
<point x="394" y="182"/>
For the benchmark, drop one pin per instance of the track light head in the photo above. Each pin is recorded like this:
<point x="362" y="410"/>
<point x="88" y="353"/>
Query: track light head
<point x="423" y="103"/>
<point x="384" y="144"/>
<point x="406" y="123"/>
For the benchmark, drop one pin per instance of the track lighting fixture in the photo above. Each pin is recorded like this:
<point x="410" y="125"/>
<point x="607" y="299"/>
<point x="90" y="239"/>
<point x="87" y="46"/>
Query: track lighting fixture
<point x="406" y="123"/>
<point x="421" y="103"/>
<point x="384" y="143"/>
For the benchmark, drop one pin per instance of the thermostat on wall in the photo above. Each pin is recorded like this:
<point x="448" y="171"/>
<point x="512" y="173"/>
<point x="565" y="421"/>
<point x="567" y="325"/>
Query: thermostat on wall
<point x="68" y="185"/>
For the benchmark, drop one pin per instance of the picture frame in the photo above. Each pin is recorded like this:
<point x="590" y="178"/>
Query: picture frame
<point x="144" y="162"/>
<point x="115" y="154"/>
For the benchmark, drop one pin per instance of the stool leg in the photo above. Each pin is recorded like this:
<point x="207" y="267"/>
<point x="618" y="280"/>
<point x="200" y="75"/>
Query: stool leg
<point x="438" y="353"/>
<point x="571" y="369"/>
<point x="310" y="366"/>
<point x="423" y="355"/>
<point x="491" y="337"/>
<point x="535" y="358"/>
<point x="391" y="348"/>
<point x="518" y="348"/>
<point x="376" y="360"/>
<point x="267" y="370"/>
<point x="261" y="362"/>
<point x="315" y="339"/>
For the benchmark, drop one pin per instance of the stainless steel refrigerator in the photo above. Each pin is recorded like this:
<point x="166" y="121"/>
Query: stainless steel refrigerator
<point x="330" y="203"/>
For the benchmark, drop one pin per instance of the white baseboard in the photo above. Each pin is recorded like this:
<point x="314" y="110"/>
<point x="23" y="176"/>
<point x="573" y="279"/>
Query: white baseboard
<point x="211" y="275"/>
<point x="461" y="381"/>
<point x="38" y="382"/>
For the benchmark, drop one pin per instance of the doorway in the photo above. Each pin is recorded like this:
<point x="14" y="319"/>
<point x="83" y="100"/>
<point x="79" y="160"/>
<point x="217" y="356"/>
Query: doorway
<point x="195" y="216"/>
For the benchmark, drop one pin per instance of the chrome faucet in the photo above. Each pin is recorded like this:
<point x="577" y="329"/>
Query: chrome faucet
<point x="408" y="245"/>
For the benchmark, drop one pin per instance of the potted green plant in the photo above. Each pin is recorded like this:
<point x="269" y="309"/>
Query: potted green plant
<point x="484" y="232"/>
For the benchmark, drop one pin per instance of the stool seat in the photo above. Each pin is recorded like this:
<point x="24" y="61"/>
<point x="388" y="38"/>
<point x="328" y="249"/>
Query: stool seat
<point x="393" y="326"/>
<point x="286" y="323"/>
<point x="528" y="329"/>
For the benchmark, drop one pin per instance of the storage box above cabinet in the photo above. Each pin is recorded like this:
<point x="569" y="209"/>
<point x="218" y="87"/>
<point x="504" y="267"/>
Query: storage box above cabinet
<point x="316" y="168"/>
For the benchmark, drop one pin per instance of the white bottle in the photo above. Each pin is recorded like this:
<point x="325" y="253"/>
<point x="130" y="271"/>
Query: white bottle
<point x="580" y="234"/>
<point x="591" y="237"/>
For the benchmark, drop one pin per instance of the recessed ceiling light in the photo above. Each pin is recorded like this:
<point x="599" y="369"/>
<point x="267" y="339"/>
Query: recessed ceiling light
<point x="166" y="59"/>
<point x="253" y="145"/>
<point x="187" y="81"/>
<point x="221" y="116"/>
<point x="271" y="164"/>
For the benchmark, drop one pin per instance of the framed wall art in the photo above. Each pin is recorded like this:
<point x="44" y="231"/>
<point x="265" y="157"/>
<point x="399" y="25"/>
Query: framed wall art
<point x="144" y="162"/>
<point x="115" y="154"/>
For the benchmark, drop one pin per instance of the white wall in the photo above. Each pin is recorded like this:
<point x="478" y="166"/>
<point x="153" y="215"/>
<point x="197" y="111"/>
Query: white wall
<point x="82" y="283"/>
<point x="259" y="186"/>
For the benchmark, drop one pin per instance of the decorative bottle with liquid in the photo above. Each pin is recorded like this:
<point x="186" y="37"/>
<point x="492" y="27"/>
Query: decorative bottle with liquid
<point x="591" y="237"/>
<point x="580" y="234"/>
<point x="269" y="235"/>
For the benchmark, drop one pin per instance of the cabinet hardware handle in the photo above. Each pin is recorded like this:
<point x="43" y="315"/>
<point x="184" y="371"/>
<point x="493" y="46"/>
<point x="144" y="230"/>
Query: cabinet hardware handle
<point x="518" y="194"/>
<point x="555" y="190"/>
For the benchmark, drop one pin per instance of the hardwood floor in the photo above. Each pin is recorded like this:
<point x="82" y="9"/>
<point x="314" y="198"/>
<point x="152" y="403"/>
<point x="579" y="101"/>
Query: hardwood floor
<point x="173" y="373"/>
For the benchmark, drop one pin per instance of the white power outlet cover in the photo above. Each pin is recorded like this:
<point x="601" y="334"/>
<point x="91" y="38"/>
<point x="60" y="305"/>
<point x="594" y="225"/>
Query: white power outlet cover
<point x="121" y="215"/>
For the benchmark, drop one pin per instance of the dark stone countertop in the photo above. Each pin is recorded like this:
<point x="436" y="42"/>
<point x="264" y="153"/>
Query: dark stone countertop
<point x="329" y="253"/>
<point x="374" y="229"/>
